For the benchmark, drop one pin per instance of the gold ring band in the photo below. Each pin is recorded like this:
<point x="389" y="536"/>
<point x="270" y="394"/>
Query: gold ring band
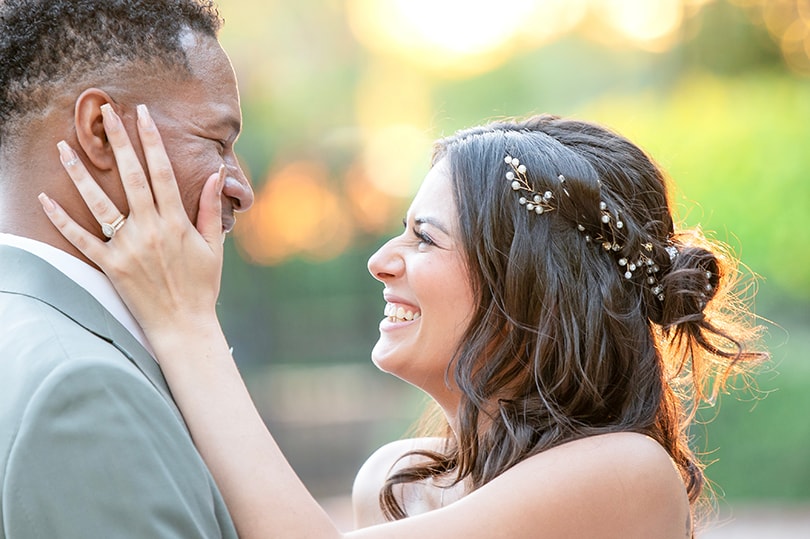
<point x="109" y="229"/>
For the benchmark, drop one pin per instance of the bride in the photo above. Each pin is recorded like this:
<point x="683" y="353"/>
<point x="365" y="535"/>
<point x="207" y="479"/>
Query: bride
<point x="539" y="293"/>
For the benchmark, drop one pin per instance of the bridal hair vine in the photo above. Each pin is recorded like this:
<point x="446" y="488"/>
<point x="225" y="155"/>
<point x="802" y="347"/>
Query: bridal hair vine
<point x="539" y="203"/>
<point x="533" y="200"/>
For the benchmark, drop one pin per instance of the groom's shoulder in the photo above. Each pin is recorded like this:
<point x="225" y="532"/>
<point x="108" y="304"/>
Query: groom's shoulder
<point x="35" y="337"/>
<point x="42" y="350"/>
<point x="53" y="373"/>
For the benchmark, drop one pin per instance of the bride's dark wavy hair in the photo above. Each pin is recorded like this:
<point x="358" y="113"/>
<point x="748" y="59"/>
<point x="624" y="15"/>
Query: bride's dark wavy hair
<point x="563" y="345"/>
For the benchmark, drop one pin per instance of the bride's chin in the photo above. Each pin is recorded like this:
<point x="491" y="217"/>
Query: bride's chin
<point x="379" y="361"/>
<point x="385" y="360"/>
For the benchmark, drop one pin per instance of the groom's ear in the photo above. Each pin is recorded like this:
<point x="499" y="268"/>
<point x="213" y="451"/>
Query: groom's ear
<point x="90" y="128"/>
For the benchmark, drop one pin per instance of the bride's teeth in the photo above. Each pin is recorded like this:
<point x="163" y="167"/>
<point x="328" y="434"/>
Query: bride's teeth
<point x="395" y="313"/>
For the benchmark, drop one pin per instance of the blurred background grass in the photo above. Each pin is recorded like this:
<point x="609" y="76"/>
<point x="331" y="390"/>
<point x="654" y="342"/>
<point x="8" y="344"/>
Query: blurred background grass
<point x="341" y="101"/>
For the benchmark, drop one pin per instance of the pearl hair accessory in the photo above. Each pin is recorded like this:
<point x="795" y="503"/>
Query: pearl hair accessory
<point x="540" y="203"/>
<point x="536" y="202"/>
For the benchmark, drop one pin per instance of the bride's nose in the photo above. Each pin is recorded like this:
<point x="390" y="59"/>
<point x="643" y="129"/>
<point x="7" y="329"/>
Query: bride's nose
<point x="386" y="263"/>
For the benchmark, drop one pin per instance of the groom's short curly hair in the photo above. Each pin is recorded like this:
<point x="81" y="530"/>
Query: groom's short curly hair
<point x="48" y="44"/>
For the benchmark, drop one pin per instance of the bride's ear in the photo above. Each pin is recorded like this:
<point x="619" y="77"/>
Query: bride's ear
<point x="90" y="128"/>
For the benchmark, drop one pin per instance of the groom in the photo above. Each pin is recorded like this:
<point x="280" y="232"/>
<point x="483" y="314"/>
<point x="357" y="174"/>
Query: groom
<point x="91" y="443"/>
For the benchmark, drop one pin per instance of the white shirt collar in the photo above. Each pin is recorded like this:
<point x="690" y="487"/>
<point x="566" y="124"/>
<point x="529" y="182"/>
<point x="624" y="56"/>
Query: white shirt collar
<point x="95" y="282"/>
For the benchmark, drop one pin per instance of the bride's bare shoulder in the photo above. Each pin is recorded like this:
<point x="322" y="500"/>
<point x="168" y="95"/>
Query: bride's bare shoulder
<point x="612" y="485"/>
<point x="373" y="473"/>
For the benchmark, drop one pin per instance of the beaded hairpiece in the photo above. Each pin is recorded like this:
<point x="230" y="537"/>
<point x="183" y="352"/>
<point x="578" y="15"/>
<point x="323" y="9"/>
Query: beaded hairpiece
<point x="540" y="203"/>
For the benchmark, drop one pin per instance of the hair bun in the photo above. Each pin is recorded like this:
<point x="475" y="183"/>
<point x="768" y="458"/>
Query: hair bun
<point x="688" y="285"/>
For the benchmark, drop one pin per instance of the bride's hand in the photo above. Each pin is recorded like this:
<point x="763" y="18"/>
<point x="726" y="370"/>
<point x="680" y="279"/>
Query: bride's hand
<point x="168" y="272"/>
<point x="165" y="270"/>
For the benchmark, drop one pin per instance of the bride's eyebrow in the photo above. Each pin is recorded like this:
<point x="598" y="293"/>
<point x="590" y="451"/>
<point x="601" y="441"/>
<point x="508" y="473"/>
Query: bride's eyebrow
<point x="432" y="222"/>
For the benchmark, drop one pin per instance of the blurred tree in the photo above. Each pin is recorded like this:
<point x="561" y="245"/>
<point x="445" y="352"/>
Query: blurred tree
<point x="713" y="89"/>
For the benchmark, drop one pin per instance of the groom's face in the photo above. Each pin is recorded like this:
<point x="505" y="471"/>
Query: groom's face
<point x="199" y="119"/>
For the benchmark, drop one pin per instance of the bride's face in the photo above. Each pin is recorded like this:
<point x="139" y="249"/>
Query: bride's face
<point x="429" y="299"/>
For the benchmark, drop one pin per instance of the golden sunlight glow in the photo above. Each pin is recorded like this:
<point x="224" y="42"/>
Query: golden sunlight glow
<point x="649" y="24"/>
<point x="301" y="211"/>
<point x="396" y="159"/>
<point x="373" y="210"/>
<point x="459" y="38"/>
<point x="393" y="109"/>
<point x="551" y="19"/>
<point x="788" y="22"/>
<point x="295" y="213"/>
<point x="390" y="94"/>
<point x="454" y="37"/>
<point x="462" y="38"/>
<point x="486" y="24"/>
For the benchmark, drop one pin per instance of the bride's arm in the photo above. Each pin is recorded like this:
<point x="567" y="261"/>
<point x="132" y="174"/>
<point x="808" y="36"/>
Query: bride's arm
<point x="263" y="494"/>
<point x="621" y="485"/>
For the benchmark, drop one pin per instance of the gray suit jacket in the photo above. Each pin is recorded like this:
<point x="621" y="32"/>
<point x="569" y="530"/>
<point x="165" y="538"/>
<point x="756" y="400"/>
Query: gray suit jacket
<point x="91" y="442"/>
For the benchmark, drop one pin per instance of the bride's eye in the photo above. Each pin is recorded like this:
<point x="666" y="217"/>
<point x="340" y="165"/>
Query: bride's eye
<point x="424" y="238"/>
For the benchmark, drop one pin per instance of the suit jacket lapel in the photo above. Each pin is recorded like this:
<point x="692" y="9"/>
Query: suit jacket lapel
<point x="26" y="274"/>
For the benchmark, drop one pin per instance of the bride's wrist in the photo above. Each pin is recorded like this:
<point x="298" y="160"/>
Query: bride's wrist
<point x="184" y="332"/>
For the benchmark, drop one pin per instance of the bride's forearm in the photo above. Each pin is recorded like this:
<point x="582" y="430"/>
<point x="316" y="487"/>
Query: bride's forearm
<point x="263" y="493"/>
<point x="180" y="263"/>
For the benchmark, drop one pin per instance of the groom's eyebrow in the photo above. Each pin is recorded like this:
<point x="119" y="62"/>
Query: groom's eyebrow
<point x="225" y="123"/>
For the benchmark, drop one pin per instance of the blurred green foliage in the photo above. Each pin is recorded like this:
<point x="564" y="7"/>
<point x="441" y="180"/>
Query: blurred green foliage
<point x="719" y="110"/>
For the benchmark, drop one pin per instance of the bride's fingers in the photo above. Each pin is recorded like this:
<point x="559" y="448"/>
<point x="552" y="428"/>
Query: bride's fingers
<point x="84" y="241"/>
<point x="164" y="184"/>
<point x="209" y="216"/>
<point x="139" y="195"/>
<point x="100" y="205"/>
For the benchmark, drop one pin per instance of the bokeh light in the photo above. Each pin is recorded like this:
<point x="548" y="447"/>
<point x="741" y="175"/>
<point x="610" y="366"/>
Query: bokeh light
<point x="395" y="159"/>
<point x="295" y="213"/>
<point x="341" y="101"/>
<point x="453" y="37"/>
<point x="648" y="24"/>
<point x="401" y="51"/>
<point x="373" y="209"/>
<point x="788" y="22"/>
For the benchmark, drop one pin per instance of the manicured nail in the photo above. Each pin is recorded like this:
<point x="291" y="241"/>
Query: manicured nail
<point x="47" y="203"/>
<point x="221" y="179"/>
<point x="110" y="117"/>
<point x="144" y="118"/>
<point x="66" y="154"/>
